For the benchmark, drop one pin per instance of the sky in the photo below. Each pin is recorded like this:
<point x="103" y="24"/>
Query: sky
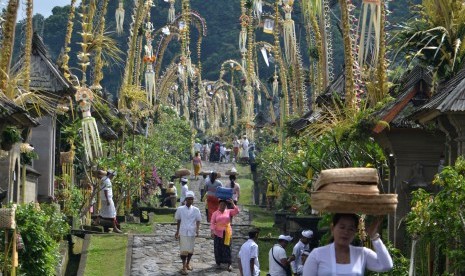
<point x="44" y="7"/>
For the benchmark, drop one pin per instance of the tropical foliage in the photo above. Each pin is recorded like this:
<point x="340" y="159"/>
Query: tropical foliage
<point x="294" y="165"/>
<point x="434" y="37"/>
<point x="428" y="220"/>
<point x="166" y="147"/>
<point x="41" y="228"/>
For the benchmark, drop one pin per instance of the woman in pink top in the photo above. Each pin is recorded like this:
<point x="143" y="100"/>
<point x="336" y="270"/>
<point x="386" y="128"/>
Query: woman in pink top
<point x="221" y="231"/>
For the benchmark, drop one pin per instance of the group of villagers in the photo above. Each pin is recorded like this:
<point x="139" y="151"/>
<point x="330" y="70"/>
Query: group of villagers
<point x="339" y="257"/>
<point x="219" y="213"/>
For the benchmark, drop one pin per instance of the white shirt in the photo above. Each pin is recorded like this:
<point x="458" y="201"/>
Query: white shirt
<point x="297" y="252"/>
<point x="236" y="143"/>
<point x="188" y="217"/>
<point x="279" y="253"/>
<point x="248" y="251"/>
<point x="106" y="186"/>
<point x="236" y="191"/>
<point x="197" y="147"/>
<point x="322" y="261"/>
<point x="184" y="190"/>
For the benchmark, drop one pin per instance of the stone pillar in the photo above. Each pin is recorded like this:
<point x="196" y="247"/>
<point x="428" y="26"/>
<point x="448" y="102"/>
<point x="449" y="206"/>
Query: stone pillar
<point x="457" y="121"/>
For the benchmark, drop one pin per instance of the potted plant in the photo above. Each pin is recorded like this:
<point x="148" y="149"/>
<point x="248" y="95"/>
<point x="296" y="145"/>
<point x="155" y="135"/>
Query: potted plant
<point x="9" y="137"/>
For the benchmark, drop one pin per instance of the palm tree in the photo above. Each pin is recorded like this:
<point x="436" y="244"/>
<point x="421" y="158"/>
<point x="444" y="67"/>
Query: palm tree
<point x="435" y="36"/>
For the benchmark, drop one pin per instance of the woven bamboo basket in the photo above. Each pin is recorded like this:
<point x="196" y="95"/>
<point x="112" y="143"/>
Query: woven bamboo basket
<point x="334" y="202"/>
<point x="360" y="176"/>
<point x="67" y="157"/>
<point x="351" y="188"/>
<point x="229" y="172"/>
<point x="7" y="218"/>
<point x="182" y="172"/>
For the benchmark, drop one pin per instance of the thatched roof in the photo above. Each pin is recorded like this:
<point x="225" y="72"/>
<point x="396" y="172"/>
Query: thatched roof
<point x="450" y="98"/>
<point x="12" y="114"/>
<point x="45" y="76"/>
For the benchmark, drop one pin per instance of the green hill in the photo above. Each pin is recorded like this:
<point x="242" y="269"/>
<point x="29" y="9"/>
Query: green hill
<point x="221" y="43"/>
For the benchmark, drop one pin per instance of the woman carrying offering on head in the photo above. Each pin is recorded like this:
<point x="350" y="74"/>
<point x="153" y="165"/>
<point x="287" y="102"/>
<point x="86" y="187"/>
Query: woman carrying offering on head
<point x="221" y="231"/>
<point x="342" y="258"/>
<point x="210" y="188"/>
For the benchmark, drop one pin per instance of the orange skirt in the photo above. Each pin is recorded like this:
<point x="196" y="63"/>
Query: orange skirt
<point x="196" y="169"/>
<point x="213" y="204"/>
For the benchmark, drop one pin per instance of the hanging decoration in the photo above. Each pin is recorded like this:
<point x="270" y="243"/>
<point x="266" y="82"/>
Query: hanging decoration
<point x="171" y="12"/>
<point x="275" y="84"/>
<point x="149" y="59"/>
<point x="258" y="8"/>
<point x="265" y="56"/>
<point x="366" y="39"/>
<point x="268" y="26"/>
<point x="245" y="20"/>
<point x="290" y="43"/>
<point x="90" y="134"/>
<point x="119" y="16"/>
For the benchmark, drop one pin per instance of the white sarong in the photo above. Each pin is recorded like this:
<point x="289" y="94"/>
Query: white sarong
<point x="186" y="245"/>
<point x="108" y="211"/>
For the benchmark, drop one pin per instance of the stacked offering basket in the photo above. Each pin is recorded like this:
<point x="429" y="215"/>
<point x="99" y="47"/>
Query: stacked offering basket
<point x="351" y="190"/>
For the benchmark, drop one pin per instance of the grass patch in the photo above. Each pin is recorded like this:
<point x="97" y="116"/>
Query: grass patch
<point x="164" y="218"/>
<point x="246" y="190"/>
<point x="137" y="228"/>
<point x="106" y="255"/>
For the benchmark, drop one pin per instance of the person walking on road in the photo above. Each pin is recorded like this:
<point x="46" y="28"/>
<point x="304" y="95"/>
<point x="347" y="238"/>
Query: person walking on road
<point x="221" y="231"/>
<point x="188" y="222"/>
<point x="184" y="190"/>
<point x="108" y="209"/>
<point x="248" y="255"/>
<point x="197" y="164"/>
<point x="210" y="188"/>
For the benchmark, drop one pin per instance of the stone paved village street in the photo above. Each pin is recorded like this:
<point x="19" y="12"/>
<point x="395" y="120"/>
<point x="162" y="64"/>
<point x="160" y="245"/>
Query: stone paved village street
<point x="158" y="253"/>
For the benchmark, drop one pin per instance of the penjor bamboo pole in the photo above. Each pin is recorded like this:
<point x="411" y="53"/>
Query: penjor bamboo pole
<point x="350" y="97"/>
<point x="7" y="45"/>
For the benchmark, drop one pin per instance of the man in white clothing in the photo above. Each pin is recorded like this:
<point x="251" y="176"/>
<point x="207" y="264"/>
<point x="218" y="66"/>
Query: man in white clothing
<point x="277" y="258"/>
<point x="184" y="190"/>
<point x="244" y="147"/>
<point x="299" y="247"/>
<point x="188" y="222"/>
<point x="248" y="255"/>
<point x="303" y="258"/>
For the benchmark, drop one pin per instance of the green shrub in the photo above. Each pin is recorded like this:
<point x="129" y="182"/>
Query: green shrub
<point x="41" y="230"/>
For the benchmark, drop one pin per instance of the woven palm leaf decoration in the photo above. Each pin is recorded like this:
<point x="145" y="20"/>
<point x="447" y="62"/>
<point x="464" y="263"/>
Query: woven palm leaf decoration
<point x="371" y="18"/>
<point x="119" y="16"/>
<point x="90" y="134"/>
<point x="149" y="59"/>
<point x="289" y="32"/>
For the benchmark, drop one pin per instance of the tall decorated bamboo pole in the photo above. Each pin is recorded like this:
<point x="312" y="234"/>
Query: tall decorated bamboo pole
<point x="140" y="10"/>
<point x="382" y="66"/>
<point x="350" y="97"/>
<point x="7" y="45"/>
<point x="98" y="73"/>
<point x="66" y="47"/>
<point x="84" y="96"/>
<point x="28" y="46"/>
<point x="249" y="91"/>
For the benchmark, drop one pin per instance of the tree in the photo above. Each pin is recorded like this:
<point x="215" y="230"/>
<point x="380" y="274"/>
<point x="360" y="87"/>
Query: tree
<point x="434" y="37"/>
